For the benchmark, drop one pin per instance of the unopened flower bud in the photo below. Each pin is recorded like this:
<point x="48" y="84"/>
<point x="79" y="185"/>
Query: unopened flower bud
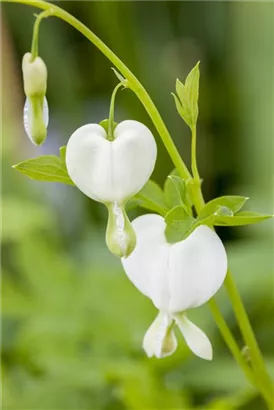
<point x="36" y="107"/>
<point x="34" y="75"/>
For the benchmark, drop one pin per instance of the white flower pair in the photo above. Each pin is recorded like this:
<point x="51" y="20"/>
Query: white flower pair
<point x="176" y="277"/>
<point x="111" y="170"/>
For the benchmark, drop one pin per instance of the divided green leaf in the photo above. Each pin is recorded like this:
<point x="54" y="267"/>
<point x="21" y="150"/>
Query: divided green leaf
<point x="47" y="168"/>
<point x="233" y="203"/>
<point x="150" y="197"/>
<point x="179" y="230"/>
<point x="186" y="100"/>
<point x="176" y="193"/>
<point x="241" y="218"/>
<point x="178" y="213"/>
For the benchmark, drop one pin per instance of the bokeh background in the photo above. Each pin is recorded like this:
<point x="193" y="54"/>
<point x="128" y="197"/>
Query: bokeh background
<point x="72" y="323"/>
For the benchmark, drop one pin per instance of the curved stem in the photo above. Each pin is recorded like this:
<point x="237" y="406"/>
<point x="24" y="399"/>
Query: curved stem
<point x="111" y="112"/>
<point x="35" y="36"/>
<point x="232" y="345"/>
<point x="194" y="167"/>
<point x="152" y="111"/>
<point x="253" y="377"/>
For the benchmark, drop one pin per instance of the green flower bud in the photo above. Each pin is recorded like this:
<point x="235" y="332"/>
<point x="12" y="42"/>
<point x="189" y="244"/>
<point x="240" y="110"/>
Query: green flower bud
<point x="36" y="107"/>
<point x="34" y="75"/>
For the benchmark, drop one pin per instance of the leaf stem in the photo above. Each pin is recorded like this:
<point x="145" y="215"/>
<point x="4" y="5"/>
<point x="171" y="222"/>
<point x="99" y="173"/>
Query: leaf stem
<point x="194" y="167"/>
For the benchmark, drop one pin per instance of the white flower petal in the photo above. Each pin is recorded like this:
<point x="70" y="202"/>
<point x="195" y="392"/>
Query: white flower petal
<point x="110" y="171"/>
<point x="28" y="117"/>
<point x="195" y="338"/>
<point x="160" y="340"/>
<point x="147" y="266"/>
<point x="198" y="268"/>
<point x="179" y="276"/>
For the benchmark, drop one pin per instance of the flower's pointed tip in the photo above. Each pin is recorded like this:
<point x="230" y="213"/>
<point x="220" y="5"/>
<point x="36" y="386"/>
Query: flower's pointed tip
<point x="120" y="235"/>
<point x="160" y="340"/>
<point x="206" y="353"/>
<point x="195" y="338"/>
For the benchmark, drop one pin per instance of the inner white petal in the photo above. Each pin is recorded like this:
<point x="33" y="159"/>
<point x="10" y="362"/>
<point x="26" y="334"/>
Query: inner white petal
<point x="27" y="116"/>
<point x="159" y="339"/>
<point x="120" y="224"/>
<point x="195" y="338"/>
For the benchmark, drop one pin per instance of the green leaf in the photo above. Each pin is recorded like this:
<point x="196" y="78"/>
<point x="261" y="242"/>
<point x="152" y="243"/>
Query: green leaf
<point x="178" y="213"/>
<point x="179" y="230"/>
<point x="176" y="192"/>
<point x="242" y="218"/>
<point x="186" y="100"/>
<point x="183" y="112"/>
<point x="233" y="203"/>
<point x="150" y="197"/>
<point x="192" y="86"/>
<point x="48" y="168"/>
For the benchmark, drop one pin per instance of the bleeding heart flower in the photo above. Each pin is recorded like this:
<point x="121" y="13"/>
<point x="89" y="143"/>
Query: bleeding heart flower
<point x="176" y="277"/>
<point x="112" y="171"/>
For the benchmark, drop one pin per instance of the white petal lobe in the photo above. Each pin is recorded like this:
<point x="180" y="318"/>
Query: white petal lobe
<point x="28" y="116"/>
<point x="147" y="266"/>
<point x="195" y="338"/>
<point x="198" y="268"/>
<point x="111" y="171"/>
<point x="179" y="276"/>
<point x="159" y="339"/>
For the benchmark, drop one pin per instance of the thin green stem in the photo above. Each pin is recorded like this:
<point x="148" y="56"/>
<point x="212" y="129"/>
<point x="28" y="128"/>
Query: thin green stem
<point x="194" y="167"/>
<point x="152" y="111"/>
<point x="232" y="345"/>
<point x="111" y="112"/>
<point x="248" y="335"/>
<point x="35" y="36"/>
<point x="253" y="377"/>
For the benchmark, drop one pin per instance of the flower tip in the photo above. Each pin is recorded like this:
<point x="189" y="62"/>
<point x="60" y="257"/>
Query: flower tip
<point x="36" y="119"/>
<point x="160" y="340"/>
<point x="120" y="236"/>
<point x="195" y="338"/>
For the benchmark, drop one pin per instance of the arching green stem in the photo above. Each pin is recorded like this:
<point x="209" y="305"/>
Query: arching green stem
<point x="35" y="36"/>
<point x="111" y="112"/>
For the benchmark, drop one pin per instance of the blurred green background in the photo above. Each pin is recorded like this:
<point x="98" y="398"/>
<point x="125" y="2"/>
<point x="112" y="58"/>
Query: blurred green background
<point x="72" y="323"/>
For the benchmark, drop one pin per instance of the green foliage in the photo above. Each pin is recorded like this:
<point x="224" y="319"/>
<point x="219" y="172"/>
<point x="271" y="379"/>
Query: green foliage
<point x="186" y="100"/>
<point x="218" y="212"/>
<point x="150" y="197"/>
<point x="232" y="202"/>
<point x="241" y="218"/>
<point x="47" y="168"/>
<point x="176" y="192"/>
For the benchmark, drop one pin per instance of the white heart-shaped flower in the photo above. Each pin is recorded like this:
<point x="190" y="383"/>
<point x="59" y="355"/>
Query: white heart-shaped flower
<point x="178" y="276"/>
<point x="111" y="171"/>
